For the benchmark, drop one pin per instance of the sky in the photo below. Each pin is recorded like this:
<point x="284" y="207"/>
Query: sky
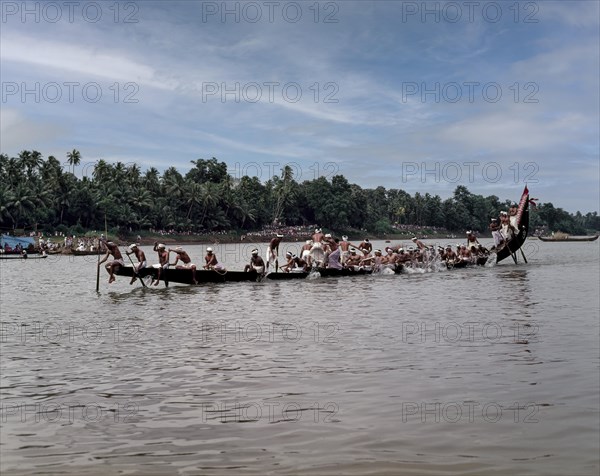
<point x="420" y="96"/>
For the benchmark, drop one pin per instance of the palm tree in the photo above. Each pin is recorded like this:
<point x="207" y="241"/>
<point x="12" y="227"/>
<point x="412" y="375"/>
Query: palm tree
<point x="192" y="193"/>
<point x="210" y="197"/>
<point x="23" y="201"/>
<point x="6" y="199"/>
<point x="74" y="158"/>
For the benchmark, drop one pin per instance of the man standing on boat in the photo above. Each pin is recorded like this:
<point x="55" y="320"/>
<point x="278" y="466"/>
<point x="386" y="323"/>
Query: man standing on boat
<point x="273" y="251"/>
<point x="496" y="234"/>
<point x="186" y="260"/>
<point x="163" y="260"/>
<point x="117" y="261"/>
<point x="256" y="264"/>
<point x="512" y="213"/>
<point x="141" y="257"/>
<point x="472" y="242"/>
<point x="345" y="247"/>
<point x="305" y="251"/>
<point x="317" y="236"/>
<point x="506" y="228"/>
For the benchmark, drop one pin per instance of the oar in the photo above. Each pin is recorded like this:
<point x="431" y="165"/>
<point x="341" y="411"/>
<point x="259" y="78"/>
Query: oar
<point x="135" y="272"/>
<point x="98" y="275"/>
<point x="523" y="255"/>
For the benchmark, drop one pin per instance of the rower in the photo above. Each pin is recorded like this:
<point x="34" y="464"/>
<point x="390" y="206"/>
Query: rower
<point x="317" y="253"/>
<point x="334" y="258"/>
<point x="464" y="253"/>
<point x="419" y="243"/>
<point x="332" y="243"/>
<point x="256" y="265"/>
<point x="163" y="261"/>
<point x="366" y="245"/>
<point x="290" y="262"/>
<point x="141" y="257"/>
<point x="449" y="255"/>
<point x="496" y="234"/>
<point x="317" y="236"/>
<point x="345" y="247"/>
<point x="305" y="251"/>
<point x="353" y="260"/>
<point x="299" y="263"/>
<point x="117" y="261"/>
<point x="211" y="261"/>
<point x="186" y="260"/>
<point x="273" y="251"/>
<point x="375" y="261"/>
<point x="472" y="241"/>
<point x="403" y="256"/>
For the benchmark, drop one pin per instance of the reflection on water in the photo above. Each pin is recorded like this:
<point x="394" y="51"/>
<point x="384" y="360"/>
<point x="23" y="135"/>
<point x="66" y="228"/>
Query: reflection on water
<point x="481" y="371"/>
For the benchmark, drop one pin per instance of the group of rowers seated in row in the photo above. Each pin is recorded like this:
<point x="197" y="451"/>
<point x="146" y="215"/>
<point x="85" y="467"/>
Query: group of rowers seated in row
<point x="182" y="260"/>
<point x="324" y="251"/>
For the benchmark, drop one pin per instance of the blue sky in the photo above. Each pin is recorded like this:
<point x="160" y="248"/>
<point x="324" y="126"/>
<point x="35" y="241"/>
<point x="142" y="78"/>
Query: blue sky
<point x="513" y="90"/>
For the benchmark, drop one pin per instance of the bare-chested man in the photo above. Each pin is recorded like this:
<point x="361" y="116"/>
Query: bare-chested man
<point x="375" y="261"/>
<point x="286" y="268"/>
<point x="403" y="256"/>
<point x="112" y="249"/>
<point x="366" y="245"/>
<point x="353" y="259"/>
<point x="256" y="264"/>
<point x="419" y="243"/>
<point x="345" y="247"/>
<point x="333" y="245"/>
<point x="472" y="241"/>
<point x="464" y="253"/>
<point x="449" y="254"/>
<point x="305" y="251"/>
<point x="211" y="261"/>
<point x="141" y="257"/>
<point x="273" y="251"/>
<point x="317" y="236"/>
<point x="182" y="256"/>
<point x="163" y="261"/>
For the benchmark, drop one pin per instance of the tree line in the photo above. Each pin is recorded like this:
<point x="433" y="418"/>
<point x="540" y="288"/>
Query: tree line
<point x="38" y="194"/>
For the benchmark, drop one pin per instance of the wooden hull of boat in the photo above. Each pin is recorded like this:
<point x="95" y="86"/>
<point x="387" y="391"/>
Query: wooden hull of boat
<point x="184" y="276"/>
<point x="572" y="239"/>
<point x="86" y="253"/>
<point x="19" y="257"/>
<point x="325" y="273"/>
<point x="465" y="264"/>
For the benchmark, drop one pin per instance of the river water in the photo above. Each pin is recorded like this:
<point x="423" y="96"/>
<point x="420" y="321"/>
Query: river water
<point x="492" y="370"/>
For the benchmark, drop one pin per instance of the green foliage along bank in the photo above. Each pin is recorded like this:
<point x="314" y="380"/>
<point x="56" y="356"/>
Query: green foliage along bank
<point x="38" y="194"/>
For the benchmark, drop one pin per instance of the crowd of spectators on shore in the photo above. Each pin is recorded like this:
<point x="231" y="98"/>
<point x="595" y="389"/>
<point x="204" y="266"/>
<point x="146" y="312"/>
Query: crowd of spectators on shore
<point x="414" y="229"/>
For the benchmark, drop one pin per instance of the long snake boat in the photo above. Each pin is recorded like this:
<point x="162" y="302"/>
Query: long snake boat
<point x="185" y="276"/>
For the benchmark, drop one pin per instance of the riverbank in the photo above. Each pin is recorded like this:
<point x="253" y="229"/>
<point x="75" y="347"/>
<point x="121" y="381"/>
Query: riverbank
<point x="150" y="239"/>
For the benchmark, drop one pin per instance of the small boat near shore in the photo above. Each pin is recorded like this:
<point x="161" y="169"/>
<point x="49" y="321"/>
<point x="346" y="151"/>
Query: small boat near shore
<point x="8" y="256"/>
<point x="550" y="239"/>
